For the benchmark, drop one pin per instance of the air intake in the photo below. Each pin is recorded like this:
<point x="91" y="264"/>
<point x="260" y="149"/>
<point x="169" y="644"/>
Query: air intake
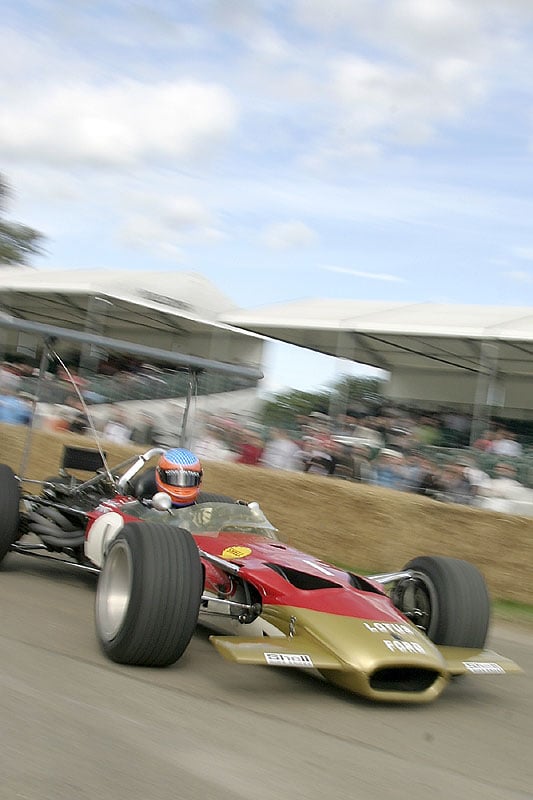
<point x="403" y="679"/>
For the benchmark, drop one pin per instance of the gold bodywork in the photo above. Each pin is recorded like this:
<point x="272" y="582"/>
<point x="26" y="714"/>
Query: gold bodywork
<point x="392" y="662"/>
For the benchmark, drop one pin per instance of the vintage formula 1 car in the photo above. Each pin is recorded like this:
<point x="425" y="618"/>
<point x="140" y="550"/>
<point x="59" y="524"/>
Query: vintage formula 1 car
<point x="397" y="637"/>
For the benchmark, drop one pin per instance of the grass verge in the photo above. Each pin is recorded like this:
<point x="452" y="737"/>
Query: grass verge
<point x="509" y="611"/>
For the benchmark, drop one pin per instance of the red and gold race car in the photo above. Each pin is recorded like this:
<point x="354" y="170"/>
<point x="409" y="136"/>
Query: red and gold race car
<point x="396" y="637"/>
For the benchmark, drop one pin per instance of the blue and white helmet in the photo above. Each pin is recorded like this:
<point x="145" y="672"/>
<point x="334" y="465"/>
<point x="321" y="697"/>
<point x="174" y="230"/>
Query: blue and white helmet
<point x="179" y="474"/>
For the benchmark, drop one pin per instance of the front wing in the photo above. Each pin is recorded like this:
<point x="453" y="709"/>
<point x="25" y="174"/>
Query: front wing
<point x="388" y="662"/>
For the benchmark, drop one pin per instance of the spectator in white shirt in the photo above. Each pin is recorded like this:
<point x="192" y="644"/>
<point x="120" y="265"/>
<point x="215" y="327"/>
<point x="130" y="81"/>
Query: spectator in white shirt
<point x="212" y="447"/>
<point x="504" y="491"/>
<point x="116" y="429"/>
<point x="505" y="444"/>
<point x="281" y="452"/>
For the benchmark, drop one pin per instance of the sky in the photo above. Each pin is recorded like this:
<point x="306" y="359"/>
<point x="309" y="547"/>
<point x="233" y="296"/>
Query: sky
<point x="365" y="149"/>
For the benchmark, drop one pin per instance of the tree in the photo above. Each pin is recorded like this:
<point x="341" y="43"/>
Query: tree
<point x="17" y="242"/>
<point x="344" y="397"/>
<point x="352" y="393"/>
<point x="284" y="409"/>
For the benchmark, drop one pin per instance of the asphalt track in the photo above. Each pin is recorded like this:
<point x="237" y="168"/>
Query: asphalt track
<point x="76" y="726"/>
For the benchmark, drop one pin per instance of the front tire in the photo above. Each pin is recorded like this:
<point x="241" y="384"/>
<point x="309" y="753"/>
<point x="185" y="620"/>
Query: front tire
<point x="447" y="598"/>
<point x="148" y="595"/>
<point x="9" y="509"/>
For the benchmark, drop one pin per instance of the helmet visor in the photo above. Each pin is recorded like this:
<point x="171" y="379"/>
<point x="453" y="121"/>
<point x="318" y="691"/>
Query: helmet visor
<point x="180" y="477"/>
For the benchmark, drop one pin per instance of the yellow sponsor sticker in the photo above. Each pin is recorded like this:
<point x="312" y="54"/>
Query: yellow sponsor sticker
<point x="236" y="551"/>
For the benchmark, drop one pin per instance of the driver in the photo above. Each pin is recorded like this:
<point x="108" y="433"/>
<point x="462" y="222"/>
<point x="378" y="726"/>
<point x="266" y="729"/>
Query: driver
<point x="179" y="474"/>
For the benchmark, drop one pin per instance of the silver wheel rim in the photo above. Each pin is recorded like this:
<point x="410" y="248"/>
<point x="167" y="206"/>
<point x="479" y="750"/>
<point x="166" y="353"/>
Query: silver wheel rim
<point x="420" y="603"/>
<point x="114" y="590"/>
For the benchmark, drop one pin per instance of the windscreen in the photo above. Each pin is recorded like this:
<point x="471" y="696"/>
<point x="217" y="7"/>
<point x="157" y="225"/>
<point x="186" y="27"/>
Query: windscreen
<point x="212" y="518"/>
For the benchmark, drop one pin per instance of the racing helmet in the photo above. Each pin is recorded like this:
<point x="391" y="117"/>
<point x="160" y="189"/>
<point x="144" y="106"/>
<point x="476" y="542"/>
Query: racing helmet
<point x="179" y="474"/>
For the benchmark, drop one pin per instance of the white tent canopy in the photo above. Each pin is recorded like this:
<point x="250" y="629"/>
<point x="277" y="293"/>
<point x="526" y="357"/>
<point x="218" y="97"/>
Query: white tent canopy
<point x="459" y="355"/>
<point x="465" y="356"/>
<point x="173" y="311"/>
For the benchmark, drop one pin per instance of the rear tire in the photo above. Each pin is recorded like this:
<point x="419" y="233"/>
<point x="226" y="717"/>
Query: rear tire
<point x="209" y="497"/>
<point x="148" y="595"/>
<point x="9" y="509"/>
<point x="448" y="599"/>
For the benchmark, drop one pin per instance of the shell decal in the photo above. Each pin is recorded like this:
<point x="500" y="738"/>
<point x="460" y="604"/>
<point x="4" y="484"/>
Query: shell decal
<point x="236" y="551"/>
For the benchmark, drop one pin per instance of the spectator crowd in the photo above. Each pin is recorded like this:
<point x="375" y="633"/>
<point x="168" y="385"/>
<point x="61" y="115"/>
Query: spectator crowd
<point x="425" y="453"/>
<point x="428" y="455"/>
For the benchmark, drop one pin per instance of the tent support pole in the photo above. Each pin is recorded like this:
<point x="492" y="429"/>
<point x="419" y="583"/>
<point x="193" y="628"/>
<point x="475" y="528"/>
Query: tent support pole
<point x="485" y="390"/>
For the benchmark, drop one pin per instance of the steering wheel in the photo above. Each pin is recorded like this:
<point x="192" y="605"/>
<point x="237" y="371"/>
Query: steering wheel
<point x="137" y="465"/>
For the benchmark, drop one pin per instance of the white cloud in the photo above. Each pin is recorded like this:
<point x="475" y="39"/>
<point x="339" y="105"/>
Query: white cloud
<point x="144" y="233"/>
<point x="373" y="76"/>
<point x="373" y="276"/>
<point x="518" y="276"/>
<point x="268" y="45"/>
<point x="117" y="125"/>
<point x="439" y="27"/>
<point x="525" y="253"/>
<point x="408" y="72"/>
<point x="422" y="29"/>
<point x="183" y="213"/>
<point x="287" y="235"/>
<point x="168" y="223"/>
<point x="387" y="102"/>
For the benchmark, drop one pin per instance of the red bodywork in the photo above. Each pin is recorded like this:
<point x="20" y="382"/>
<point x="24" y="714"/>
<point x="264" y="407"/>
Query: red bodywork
<point x="346" y="600"/>
<point x="274" y="589"/>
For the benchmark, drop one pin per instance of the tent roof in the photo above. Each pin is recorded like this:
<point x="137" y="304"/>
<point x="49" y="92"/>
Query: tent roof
<point x="390" y="336"/>
<point x="394" y="336"/>
<point x="155" y="302"/>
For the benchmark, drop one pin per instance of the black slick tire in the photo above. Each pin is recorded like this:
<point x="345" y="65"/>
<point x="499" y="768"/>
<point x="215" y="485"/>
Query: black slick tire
<point x="456" y="600"/>
<point x="209" y="497"/>
<point x="9" y="509"/>
<point x="148" y="595"/>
